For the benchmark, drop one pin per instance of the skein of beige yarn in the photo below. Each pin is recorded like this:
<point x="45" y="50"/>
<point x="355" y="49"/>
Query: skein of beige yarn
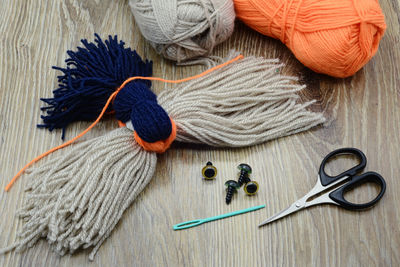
<point x="182" y="30"/>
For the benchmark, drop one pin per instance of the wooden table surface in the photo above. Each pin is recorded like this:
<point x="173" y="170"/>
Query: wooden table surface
<point x="363" y="111"/>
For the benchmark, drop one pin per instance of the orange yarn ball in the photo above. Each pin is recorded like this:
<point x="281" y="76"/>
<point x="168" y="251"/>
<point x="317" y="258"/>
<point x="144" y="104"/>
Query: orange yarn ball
<point x="335" y="37"/>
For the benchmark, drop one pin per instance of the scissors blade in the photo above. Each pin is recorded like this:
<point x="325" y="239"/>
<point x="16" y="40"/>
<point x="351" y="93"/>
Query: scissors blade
<point x="296" y="206"/>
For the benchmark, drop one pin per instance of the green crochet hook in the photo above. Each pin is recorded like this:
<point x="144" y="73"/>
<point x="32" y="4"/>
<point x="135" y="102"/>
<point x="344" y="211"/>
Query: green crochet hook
<point x="193" y="223"/>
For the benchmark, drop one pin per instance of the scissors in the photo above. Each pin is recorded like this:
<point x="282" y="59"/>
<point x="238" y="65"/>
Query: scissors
<point x="330" y="189"/>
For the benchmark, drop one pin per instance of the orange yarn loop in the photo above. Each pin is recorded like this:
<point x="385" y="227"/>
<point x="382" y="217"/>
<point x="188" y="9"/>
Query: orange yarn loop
<point x="328" y="36"/>
<point x="110" y="99"/>
<point x="159" y="146"/>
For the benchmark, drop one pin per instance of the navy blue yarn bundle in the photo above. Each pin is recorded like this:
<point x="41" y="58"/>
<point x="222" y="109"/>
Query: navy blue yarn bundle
<point x="137" y="103"/>
<point x="92" y="74"/>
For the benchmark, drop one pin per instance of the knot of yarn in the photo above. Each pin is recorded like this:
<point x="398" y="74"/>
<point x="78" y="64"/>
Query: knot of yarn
<point x="331" y="37"/>
<point x="180" y="30"/>
<point x="154" y="130"/>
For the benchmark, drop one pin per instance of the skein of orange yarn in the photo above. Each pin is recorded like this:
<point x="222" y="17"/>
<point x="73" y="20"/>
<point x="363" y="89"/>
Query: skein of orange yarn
<point x="334" y="37"/>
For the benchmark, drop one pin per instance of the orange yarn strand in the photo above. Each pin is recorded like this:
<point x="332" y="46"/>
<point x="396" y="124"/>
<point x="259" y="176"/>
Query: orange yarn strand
<point x="62" y="145"/>
<point x="110" y="99"/>
<point x="181" y="80"/>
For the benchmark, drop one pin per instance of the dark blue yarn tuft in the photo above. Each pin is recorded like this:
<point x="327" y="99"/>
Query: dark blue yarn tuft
<point x="92" y="74"/>
<point x="137" y="103"/>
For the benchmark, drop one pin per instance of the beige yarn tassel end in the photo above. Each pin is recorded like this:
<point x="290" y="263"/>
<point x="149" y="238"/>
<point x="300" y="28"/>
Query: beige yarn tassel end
<point x="76" y="199"/>
<point x="245" y="103"/>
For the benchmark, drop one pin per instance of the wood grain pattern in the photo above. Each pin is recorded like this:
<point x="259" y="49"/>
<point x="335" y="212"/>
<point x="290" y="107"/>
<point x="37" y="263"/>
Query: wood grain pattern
<point x="362" y="111"/>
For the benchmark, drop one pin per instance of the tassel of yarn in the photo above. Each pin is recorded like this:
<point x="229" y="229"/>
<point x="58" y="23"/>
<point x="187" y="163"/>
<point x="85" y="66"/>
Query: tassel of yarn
<point x="76" y="199"/>
<point x="92" y="74"/>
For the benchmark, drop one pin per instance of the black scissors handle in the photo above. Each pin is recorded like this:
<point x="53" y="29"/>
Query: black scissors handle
<point x="368" y="177"/>
<point x="327" y="179"/>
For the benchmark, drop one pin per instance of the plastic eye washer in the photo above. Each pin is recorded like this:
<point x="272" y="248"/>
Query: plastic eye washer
<point x="209" y="172"/>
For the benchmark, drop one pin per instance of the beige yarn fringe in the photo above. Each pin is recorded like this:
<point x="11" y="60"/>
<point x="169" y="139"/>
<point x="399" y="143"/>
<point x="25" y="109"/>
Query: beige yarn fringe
<point x="245" y="103"/>
<point x="76" y="199"/>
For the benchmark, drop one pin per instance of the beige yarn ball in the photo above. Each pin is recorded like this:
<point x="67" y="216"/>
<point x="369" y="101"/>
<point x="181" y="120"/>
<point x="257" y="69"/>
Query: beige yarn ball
<point x="181" y="30"/>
